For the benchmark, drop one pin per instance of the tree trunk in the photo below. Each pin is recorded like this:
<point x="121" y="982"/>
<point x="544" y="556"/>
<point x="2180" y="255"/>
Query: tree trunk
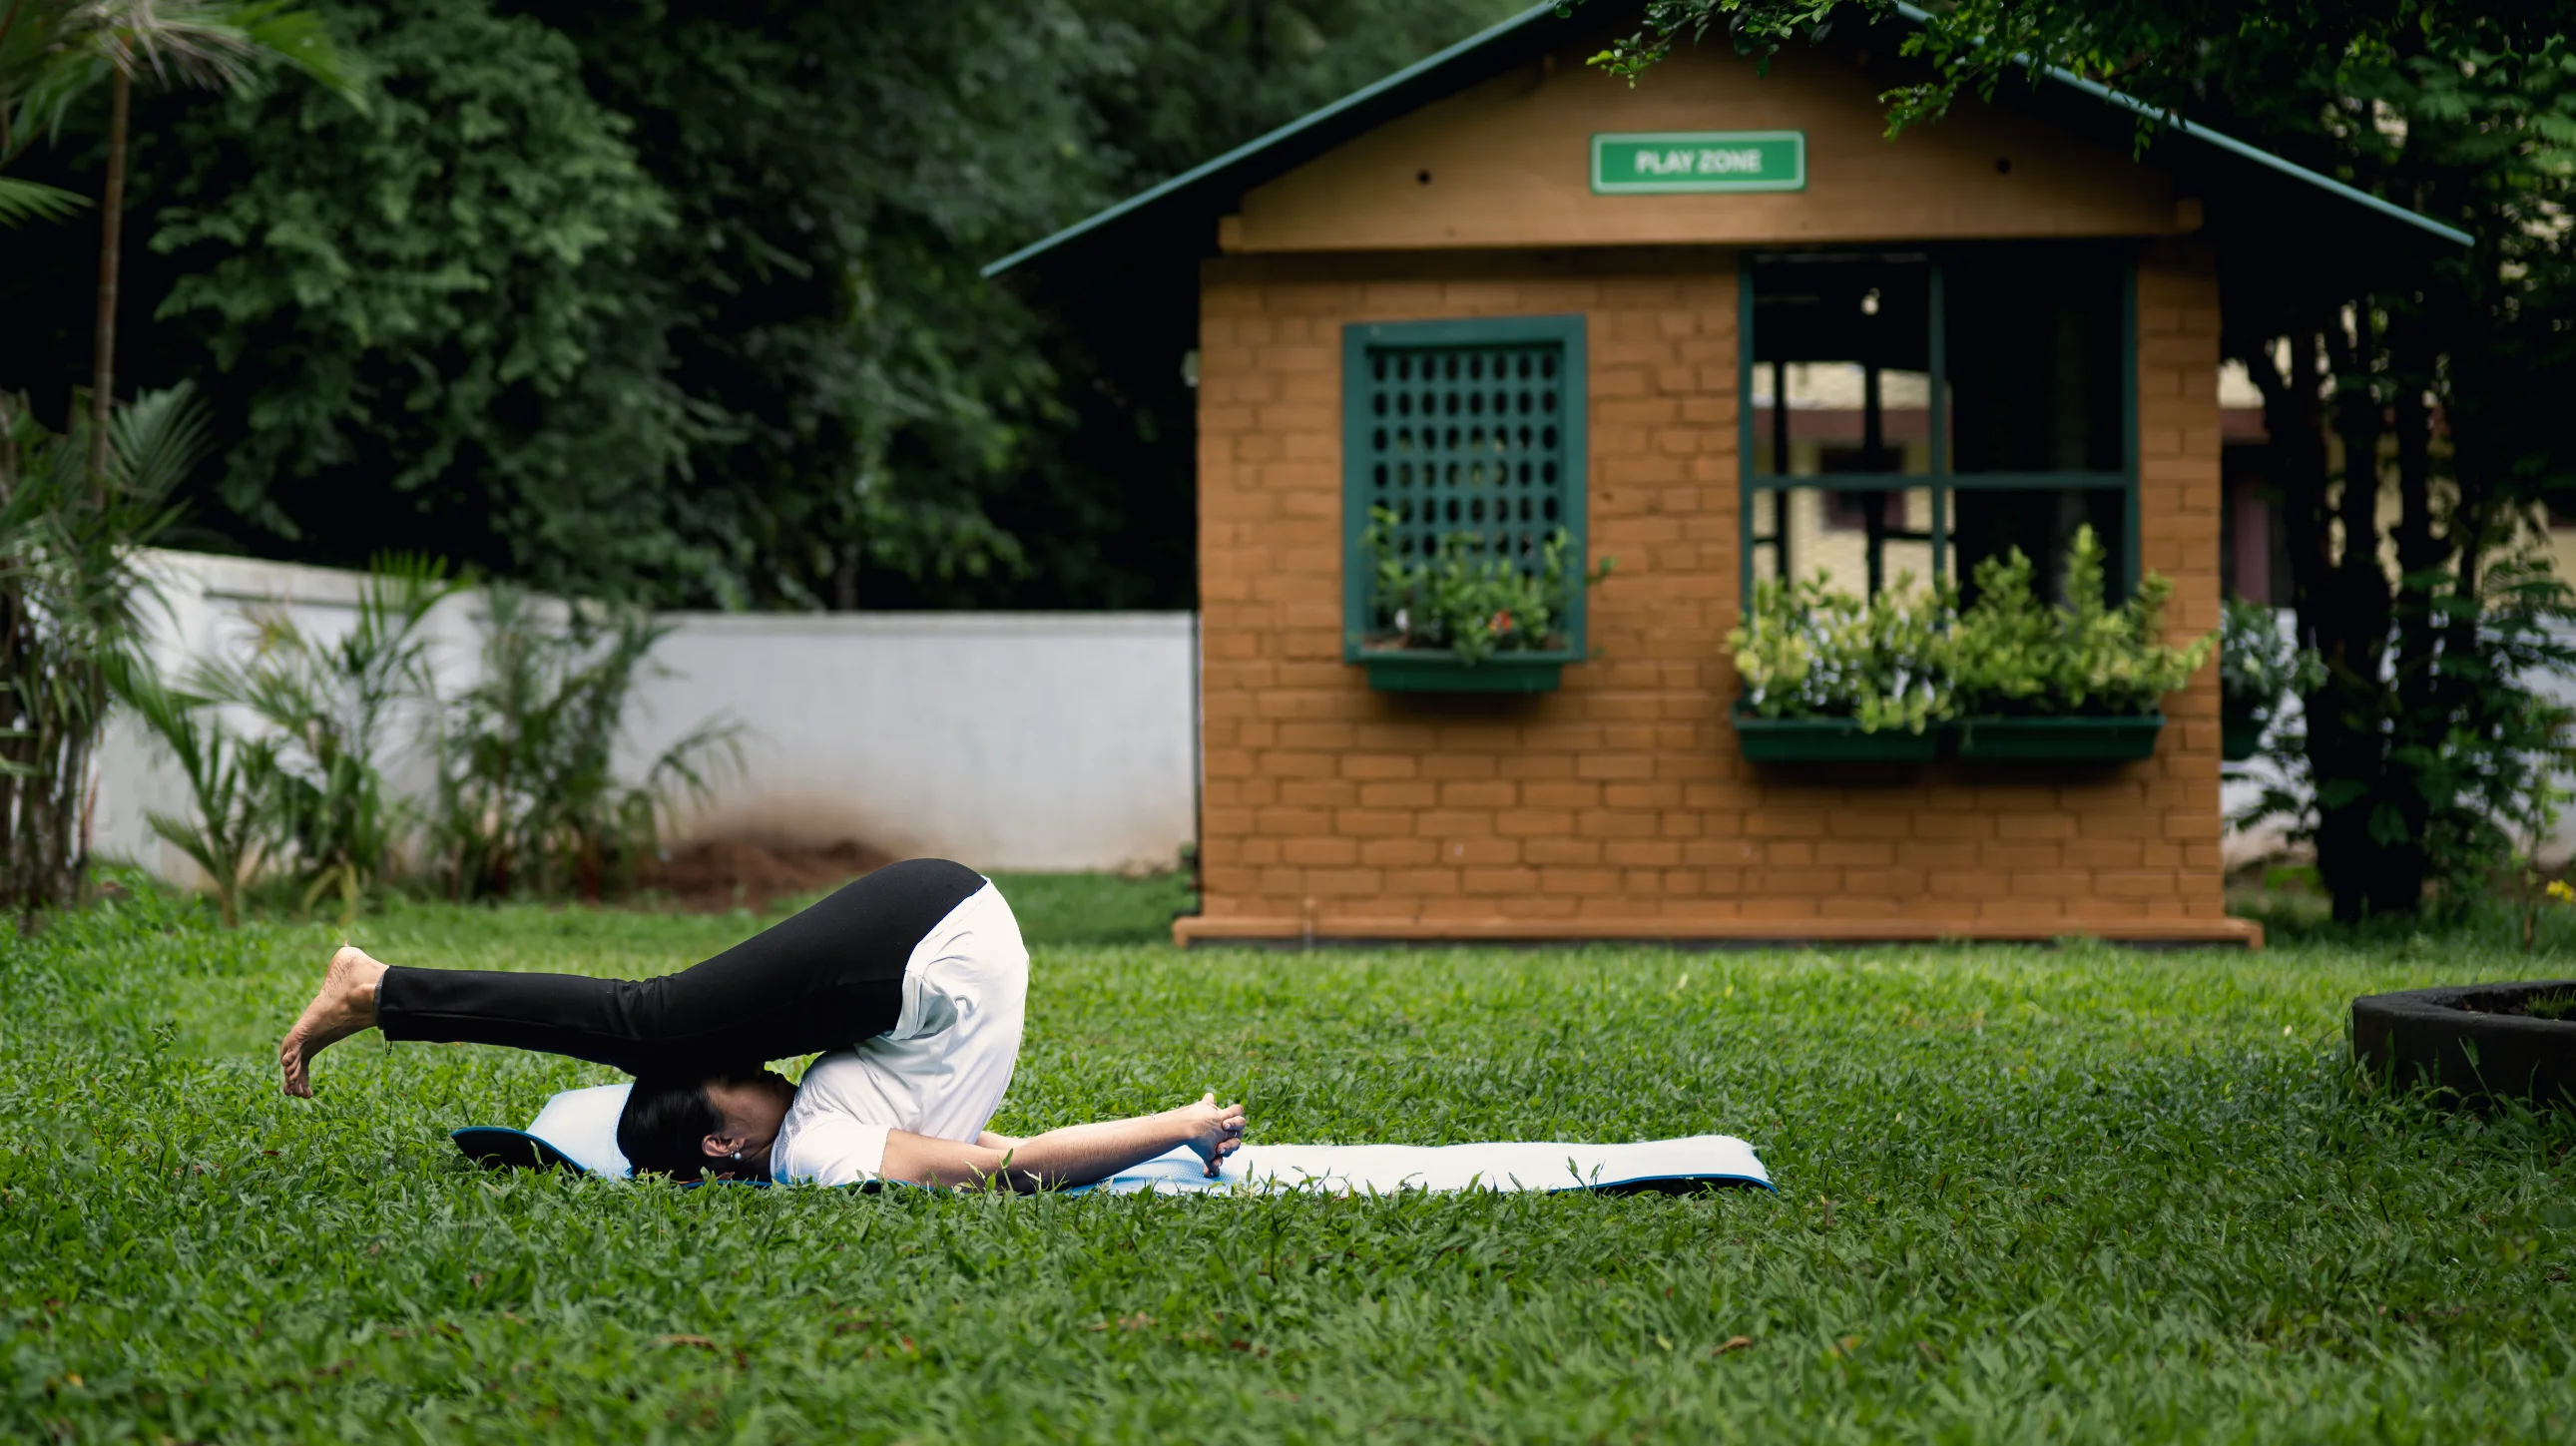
<point x="845" y="581"/>
<point x="2371" y="861"/>
<point x="111" y="240"/>
<point x="2341" y="601"/>
<point x="2421" y="555"/>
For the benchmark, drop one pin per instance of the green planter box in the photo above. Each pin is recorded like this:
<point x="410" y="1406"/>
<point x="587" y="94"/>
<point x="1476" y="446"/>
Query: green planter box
<point x="1829" y="740"/>
<point x="1422" y="670"/>
<point x="2239" y="737"/>
<point x="2072" y="740"/>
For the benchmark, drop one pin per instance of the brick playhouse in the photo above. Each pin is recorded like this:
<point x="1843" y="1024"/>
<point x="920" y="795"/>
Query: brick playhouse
<point x="1714" y="326"/>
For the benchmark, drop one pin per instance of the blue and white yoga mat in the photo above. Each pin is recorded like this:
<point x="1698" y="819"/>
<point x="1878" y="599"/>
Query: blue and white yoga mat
<point x="578" y="1130"/>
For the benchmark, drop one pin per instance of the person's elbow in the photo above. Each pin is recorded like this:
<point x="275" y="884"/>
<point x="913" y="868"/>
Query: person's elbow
<point x="925" y="1160"/>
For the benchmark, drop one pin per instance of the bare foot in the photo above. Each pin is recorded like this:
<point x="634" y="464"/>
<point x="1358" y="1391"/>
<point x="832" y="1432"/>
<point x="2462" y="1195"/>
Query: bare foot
<point x="345" y="1004"/>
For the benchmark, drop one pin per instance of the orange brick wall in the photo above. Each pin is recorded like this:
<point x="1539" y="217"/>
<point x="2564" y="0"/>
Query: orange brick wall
<point x="1620" y="805"/>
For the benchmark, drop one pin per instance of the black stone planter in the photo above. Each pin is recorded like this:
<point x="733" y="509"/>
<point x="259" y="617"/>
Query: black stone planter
<point x="2471" y="1039"/>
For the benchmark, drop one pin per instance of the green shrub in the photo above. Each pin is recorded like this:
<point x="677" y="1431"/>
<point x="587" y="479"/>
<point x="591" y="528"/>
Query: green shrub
<point x="2011" y="653"/>
<point x="1808" y="650"/>
<point x="73" y="599"/>
<point x="231" y="782"/>
<point x="1909" y="658"/>
<point x="336" y="710"/>
<point x="529" y="796"/>
<point x="2259" y="666"/>
<point x="1467" y="600"/>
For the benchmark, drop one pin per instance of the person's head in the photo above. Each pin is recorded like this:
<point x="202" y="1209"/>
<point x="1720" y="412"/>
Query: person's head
<point x="680" y="1125"/>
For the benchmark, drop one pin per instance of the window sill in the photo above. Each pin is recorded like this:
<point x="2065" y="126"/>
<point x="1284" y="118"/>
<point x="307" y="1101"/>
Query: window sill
<point x="1426" y="670"/>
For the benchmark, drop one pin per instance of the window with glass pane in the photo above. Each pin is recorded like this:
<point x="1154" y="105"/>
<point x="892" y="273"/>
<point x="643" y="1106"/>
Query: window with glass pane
<point x="1913" y="414"/>
<point x="2038" y="426"/>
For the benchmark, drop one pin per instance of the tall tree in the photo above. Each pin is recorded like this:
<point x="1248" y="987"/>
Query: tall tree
<point x="681" y="300"/>
<point x="68" y="47"/>
<point x="438" y="324"/>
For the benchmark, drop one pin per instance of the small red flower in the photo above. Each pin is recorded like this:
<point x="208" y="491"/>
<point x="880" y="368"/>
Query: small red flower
<point x="1500" y="623"/>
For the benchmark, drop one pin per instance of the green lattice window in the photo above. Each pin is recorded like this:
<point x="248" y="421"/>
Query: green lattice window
<point x="1469" y="434"/>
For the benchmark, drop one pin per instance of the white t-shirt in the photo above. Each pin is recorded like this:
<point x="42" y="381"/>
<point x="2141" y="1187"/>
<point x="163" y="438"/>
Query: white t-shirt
<point x="940" y="1071"/>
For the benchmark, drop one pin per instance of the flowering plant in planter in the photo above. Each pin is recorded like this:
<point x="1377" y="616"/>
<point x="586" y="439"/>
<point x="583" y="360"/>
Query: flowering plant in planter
<point x="2009" y="675"/>
<point x="1467" y="600"/>
<point x="2011" y="654"/>
<point x="1808" y="650"/>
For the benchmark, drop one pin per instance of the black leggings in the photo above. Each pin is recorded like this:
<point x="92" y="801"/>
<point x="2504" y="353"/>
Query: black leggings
<point x="820" y="980"/>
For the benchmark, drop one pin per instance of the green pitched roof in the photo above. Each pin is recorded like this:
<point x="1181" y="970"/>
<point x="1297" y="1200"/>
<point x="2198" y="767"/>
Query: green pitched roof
<point x="1179" y="214"/>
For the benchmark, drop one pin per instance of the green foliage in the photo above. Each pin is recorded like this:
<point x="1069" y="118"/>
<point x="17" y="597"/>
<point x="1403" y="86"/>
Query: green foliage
<point x="1194" y="80"/>
<point x="338" y="708"/>
<point x="2488" y="760"/>
<point x="679" y="301"/>
<point x="231" y="783"/>
<point x="1907" y="659"/>
<point x="529" y="795"/>
<point x="2012" y="653"/>
<point x="25" y="201"/>
<point x="55" y="52"/>
<point x="1466" y="600"/>
<point x="72" y="604"/>
<point x="451" y="295"/>
<point x="2076" y="1193"/>
<point x="2260" y="665"/>
<point x="1807" y="649"/>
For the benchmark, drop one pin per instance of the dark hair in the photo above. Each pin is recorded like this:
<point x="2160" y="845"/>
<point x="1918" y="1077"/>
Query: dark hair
<point x="665" y="1124"/>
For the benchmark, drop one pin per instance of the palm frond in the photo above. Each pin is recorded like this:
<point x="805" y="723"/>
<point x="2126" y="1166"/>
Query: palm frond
<point x="25" y="201"/>
<point x="57" y="52"/>
<point x="298" y="39"/>
<point x="165" y="41"/>
<point x="160" y="438"/>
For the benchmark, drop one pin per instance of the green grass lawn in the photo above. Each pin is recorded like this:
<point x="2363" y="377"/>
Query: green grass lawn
<point x="2024" y="1193"/>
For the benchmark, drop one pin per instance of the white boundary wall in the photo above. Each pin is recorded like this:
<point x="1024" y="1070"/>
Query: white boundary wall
<point x="1005" y="740"/>
<point x="1038" y="741"/>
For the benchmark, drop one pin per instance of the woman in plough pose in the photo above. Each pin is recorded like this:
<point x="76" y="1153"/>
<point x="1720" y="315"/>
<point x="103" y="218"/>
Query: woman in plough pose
<point x="912" y="981"/>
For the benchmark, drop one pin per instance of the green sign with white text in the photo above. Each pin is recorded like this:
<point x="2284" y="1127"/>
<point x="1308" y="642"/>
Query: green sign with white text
<point x="1665" y="162"/>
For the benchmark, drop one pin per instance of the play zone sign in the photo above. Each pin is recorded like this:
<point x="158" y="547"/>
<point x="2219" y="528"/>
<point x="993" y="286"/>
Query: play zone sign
<point x="1660" y="163"/>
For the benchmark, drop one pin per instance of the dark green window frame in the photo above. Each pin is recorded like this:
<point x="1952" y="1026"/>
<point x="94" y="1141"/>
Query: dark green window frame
<point x="1362" y="343"/>
<point x="1940" y="479"/>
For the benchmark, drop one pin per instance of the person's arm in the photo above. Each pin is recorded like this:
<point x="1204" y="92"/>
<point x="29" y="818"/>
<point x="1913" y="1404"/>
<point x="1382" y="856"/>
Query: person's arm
<point x="1074" y="1155"/>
